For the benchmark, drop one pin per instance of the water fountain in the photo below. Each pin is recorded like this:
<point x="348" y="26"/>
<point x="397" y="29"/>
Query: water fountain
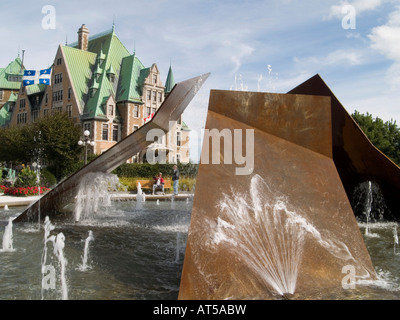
<point x="294" y="186"/>
<point x="49" y="278"/>
<point x="396" y="250"/>
<point x="94" y="195"/>
<point x="244" y="257"/>
<point x="8" y="237"/>
<point x="178" y="246"/>
<point x="171" y="110"/>
<point x="140" y="197"/>
<point x="84" y="266"/>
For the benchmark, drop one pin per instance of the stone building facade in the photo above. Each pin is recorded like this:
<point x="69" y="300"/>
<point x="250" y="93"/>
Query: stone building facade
<point x="103" y="88"/>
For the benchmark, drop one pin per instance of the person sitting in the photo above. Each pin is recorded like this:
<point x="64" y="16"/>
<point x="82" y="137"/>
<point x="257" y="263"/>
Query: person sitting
<point x="158" y="183"/>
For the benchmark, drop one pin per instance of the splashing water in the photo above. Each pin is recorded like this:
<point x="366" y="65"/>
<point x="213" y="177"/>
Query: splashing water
<point x="48" y="279"/>
<point x="368" y="202"/>
<point x="173" y="202"/>
<point x="268" y="236"/>
<point x="94" y="195"/>
<point x="396" y="250"/>
<point x="178" y="239"/>
<point x="59" y="252"/>
<point x="369" y="205"/>
<point x="140" y="197"/>
<point x="8" y="237"/>
<point x="84" y="266"/>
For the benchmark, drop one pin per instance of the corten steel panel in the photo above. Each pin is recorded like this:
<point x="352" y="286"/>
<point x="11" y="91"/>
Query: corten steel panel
<point x="227" y="250"/>
<point x="170" y="110"/>
<point x="356" y="158"/>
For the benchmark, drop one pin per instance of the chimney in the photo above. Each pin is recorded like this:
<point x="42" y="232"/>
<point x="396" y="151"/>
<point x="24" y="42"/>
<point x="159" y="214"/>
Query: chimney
<point x="83" y="38"/>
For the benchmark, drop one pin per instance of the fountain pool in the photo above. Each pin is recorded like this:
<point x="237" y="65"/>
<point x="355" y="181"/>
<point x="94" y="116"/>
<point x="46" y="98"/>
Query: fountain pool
<point x="133" y="254"/>
<point x="138" y="254"/>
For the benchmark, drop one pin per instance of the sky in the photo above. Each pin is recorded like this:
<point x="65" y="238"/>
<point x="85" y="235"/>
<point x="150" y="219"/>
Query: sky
<point x="252" y="45"/>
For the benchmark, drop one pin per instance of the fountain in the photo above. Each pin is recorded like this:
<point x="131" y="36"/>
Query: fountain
<point x="94" y="195"/>
<point x="140" y="197"/>
<point x="171" y="110"/>
<point x="235" y="245"/>
<point x="84" y="266"/>
<point x="49" y="279"/>
<point x="396" y="241"/>
<point x="235" y="249"/>
<point x="356" y="158"/>
<point x="8" y="237"/>
<point x="178" y="246"/>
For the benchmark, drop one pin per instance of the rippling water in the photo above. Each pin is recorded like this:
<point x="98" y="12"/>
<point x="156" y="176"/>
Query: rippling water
<point x="138" y="254"/>
<point x="135" y="254"/>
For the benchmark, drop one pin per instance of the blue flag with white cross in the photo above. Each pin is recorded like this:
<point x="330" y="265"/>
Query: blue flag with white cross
<point x="36" y="76"/>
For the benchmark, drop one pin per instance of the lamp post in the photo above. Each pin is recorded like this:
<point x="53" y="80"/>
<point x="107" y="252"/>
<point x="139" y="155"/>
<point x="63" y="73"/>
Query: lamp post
<point x="85" y="142"/>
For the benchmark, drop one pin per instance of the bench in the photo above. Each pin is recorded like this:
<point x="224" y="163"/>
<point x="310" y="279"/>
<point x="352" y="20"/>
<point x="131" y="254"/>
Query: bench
<point x="148" y="184"/>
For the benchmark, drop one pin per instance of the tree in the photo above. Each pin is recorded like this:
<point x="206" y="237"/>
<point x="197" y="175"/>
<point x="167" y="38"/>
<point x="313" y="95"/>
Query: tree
<point x="15" y="144"/>
<point x="56" y="139"/>
<point x="384" y="135"/>
<point x="52" y="140"/>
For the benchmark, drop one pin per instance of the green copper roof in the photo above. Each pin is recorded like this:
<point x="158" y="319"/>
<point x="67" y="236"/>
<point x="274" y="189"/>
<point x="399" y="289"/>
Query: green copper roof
<point x="169" y="82"/>
<point x="14" y="68"/>
<point x="111" y="52"/>
<point x="80" y="64"/>
<point x="105" y="55"/>
<point x="13" y="97"/>
<point x="131" y="81"/>
<point x="5" y="114"/>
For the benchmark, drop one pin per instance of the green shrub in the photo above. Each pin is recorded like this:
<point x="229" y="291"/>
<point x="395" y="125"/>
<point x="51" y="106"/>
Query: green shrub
<point x="47" y="179"/>
<point x="26" y="178"/>
<point x="148" y="171"/>
<point x="187" y="184"/>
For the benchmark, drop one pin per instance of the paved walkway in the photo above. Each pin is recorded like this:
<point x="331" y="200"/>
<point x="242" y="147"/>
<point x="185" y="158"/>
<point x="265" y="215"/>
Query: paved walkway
<point x="26" y="201"/>
<point x="16" y="201"/>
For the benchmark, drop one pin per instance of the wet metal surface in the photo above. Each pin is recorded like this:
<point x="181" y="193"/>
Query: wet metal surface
<point x="299" y="182"/>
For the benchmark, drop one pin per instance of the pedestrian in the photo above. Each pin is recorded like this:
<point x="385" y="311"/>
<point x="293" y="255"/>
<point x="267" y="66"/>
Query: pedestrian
<point x="175" y="179"/>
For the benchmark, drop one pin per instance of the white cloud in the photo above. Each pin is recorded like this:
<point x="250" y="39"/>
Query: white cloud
<point x="386" y="40"/>
<point x="340" y="58"/>
<point x="360" y="6"/>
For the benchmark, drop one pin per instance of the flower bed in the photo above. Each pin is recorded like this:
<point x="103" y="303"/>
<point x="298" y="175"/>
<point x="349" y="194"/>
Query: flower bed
<point x="24" y="192"/>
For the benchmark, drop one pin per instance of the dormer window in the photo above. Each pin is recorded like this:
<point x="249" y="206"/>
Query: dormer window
<point x="154" y="78"/>
<point x="111" y="110"/>
<point x="13" y="78"/>
<point x="92" y="92"/>
<point x="97" y="73"/>
<point x="111" y="74"/>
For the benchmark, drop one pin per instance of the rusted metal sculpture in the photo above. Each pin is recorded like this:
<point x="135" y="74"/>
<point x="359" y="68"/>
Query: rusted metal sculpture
<point x="287" y="227"/>
<point x="64" y="193"/>
<point x="356" y="158"/>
